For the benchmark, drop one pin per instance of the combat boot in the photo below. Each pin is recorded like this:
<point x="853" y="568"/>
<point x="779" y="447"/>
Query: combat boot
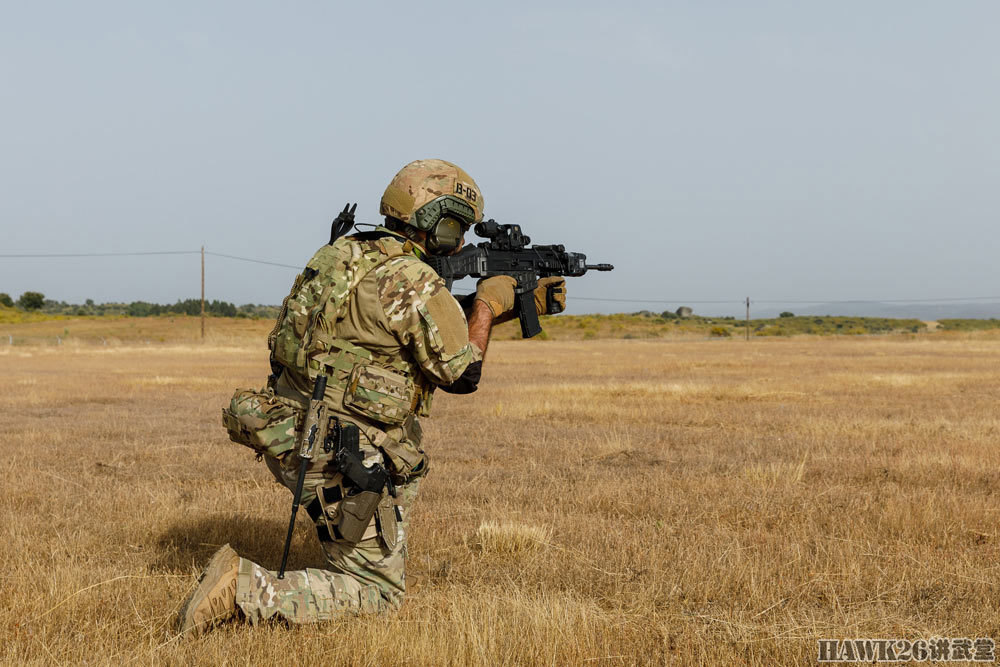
<point x="214" y="599"/>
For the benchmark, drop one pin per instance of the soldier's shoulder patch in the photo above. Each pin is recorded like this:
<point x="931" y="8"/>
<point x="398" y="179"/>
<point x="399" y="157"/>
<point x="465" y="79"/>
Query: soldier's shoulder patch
<point x="446" y="316"/>
<point x="404" y="283"/>
<point x="388" y="269"/>
<point x="417" y="271"/>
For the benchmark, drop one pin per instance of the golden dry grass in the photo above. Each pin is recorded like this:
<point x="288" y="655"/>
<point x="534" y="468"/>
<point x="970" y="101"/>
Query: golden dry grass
<point x="109" y="330"/>
<point x="600" y="502"/>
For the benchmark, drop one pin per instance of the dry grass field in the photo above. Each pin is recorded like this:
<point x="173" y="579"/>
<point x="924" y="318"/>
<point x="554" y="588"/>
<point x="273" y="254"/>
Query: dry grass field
<point x="596" y="502"/>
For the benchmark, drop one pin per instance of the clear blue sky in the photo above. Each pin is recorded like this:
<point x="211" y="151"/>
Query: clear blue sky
<point x="709" y="150"/>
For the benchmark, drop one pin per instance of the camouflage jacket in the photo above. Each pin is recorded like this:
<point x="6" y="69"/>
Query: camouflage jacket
<point x="391" y="337"/>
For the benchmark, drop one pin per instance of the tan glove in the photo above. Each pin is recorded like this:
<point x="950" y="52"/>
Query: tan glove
<point x="497" y="293"/>
<point x="558" y="293"/>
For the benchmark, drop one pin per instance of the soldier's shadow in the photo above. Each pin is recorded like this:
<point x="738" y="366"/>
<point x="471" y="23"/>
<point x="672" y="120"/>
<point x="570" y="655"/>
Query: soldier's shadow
<point x="191" y="543"/>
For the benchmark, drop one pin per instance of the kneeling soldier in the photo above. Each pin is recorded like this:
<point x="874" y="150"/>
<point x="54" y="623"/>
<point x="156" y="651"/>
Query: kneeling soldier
<point x="368" y="331"/>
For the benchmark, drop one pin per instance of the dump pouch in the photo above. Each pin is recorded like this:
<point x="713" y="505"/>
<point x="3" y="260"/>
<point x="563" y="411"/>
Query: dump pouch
<point x="261" y="421"/>
<point x="380" y="394"/>
<point x="401" y="445"/>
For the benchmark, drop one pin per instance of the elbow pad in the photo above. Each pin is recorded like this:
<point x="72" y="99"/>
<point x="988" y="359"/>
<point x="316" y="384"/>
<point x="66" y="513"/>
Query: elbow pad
<point x="468" y="382"/>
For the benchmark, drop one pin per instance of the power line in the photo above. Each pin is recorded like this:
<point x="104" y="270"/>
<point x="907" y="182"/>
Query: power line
<point x="106" y="254"/>
<point x="255" y="261"/>
<point x="137" y="254"/>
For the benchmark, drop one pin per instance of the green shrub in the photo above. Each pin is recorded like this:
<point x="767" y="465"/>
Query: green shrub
<point x="719" y="332"/>
<point x="31" y="301"/>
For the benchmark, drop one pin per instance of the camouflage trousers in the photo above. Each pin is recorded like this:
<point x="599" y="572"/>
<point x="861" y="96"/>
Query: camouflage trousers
<point x="366" y="577"/>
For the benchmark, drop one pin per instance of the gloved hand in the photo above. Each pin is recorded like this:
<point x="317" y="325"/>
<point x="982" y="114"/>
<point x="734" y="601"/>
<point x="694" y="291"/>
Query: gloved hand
<point x="558" y="293"/>
<point x="497" y="293"/>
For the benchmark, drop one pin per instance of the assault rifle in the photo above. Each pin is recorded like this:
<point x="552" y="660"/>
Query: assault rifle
<point x="506" y="253"/>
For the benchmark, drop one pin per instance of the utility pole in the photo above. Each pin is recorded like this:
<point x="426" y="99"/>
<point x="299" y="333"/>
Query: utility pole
<point x="203" y="293"/>
<point x="748" y="318"/>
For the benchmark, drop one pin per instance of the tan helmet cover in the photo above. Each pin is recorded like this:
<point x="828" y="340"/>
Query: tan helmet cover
<point x="423" y="181"/>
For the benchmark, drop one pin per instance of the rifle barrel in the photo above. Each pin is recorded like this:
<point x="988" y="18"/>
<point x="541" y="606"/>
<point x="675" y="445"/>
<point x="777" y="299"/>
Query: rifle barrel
<point x="600" y="267"/>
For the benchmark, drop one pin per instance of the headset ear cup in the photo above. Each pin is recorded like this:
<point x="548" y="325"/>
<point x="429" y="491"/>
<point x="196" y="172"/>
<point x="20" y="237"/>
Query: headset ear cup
<point x="445" y="236"/>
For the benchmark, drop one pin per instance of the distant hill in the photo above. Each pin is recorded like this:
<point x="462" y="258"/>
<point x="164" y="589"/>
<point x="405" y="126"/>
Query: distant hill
<point x="921" y="311"/>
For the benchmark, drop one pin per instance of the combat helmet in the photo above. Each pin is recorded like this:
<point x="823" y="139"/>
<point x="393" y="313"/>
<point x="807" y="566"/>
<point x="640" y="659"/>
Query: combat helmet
<point x="436" y="197"/>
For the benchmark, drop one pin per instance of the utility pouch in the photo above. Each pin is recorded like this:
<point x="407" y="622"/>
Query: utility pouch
<point x="258" y="420"/>
<point x="380" y="394"/>
<point x="356" y="512"/>
<point x="385" y="519"/>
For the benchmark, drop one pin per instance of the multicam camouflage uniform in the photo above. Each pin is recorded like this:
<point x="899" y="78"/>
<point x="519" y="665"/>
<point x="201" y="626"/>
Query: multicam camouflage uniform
<point x="397" y="320"/>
